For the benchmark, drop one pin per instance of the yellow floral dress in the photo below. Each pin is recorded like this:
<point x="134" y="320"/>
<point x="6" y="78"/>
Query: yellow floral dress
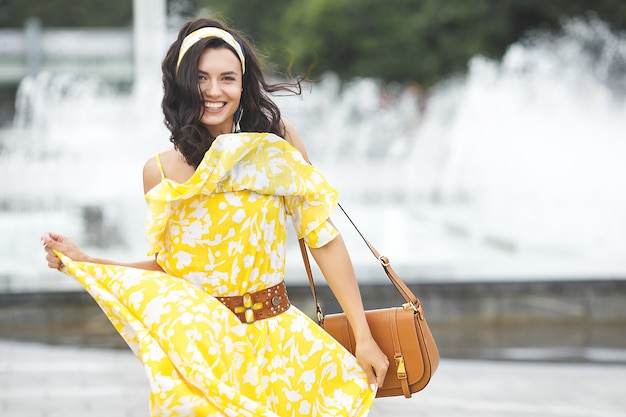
<point x="223" y="232"/>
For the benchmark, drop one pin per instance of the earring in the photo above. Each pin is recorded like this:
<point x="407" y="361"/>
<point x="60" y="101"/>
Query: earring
<point x="237" y="118"/>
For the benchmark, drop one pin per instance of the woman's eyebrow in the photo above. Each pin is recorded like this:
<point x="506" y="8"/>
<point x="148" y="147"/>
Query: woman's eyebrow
<point x="223" y="73"/>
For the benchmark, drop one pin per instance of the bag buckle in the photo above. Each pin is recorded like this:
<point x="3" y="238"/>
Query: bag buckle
<point x="410" y="304"/>
<point x="400" y="368"/>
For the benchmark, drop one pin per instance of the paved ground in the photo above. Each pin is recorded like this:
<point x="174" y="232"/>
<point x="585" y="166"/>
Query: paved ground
<point x="43" y="381"/>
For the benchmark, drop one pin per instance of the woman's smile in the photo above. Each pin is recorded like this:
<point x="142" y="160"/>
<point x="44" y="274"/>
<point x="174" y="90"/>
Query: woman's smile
<point x="214" y="106"/>
<point x="220" y="83"/>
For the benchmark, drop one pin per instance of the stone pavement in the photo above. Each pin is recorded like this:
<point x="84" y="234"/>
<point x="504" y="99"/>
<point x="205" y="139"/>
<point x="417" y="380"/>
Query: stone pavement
<point x="45" y="381"/>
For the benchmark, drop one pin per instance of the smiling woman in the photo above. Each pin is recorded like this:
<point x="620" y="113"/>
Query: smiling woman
<point x="220" y="83"/>
<point x="208" y="315"/>
<point x="186" y="71"/>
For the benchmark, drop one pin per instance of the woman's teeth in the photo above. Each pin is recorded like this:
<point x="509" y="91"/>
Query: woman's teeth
<point x="214" y="105"/>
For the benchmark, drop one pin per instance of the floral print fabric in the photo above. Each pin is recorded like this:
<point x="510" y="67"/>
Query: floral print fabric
<point x="223" y="232"/>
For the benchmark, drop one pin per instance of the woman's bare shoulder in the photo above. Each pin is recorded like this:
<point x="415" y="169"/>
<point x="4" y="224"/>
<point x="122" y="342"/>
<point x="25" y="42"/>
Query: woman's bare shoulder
<point x="294" y="139"/>
<point x="151" y="172"/>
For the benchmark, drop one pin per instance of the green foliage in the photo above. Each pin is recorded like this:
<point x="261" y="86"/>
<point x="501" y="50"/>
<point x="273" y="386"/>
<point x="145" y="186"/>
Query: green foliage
<point x="258" y="20"/>
<point x="67" y="13"/>
<point x="394" y="40"/>
<point x="399" y="40"/>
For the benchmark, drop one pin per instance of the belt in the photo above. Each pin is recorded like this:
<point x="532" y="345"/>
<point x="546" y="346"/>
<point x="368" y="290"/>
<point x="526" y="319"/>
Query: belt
<point x="259" y="305"/>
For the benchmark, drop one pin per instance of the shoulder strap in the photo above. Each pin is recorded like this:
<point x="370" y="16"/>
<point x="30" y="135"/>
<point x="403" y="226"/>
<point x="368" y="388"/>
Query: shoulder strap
<point x="309" y="273"/>
<point x="408" y="296"/>
<point x="157" y="158"/>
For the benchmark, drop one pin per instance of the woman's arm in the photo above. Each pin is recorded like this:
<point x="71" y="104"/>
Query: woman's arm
<point x="60" y="243"/>
<point x="336" y="266"/>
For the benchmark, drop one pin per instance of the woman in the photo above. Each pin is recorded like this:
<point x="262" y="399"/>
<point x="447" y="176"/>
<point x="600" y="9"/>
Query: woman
<point x="209" y="316"/>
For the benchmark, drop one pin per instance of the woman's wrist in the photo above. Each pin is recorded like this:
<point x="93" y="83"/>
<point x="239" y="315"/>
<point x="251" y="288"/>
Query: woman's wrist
<point x="361" y="331"/>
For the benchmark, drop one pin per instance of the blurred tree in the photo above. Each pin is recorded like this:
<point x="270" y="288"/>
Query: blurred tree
<point x="399" y="40"/>
<point x="258" y="20"/>
<point x="394" y="40"/>
<point x="67" y="13"/>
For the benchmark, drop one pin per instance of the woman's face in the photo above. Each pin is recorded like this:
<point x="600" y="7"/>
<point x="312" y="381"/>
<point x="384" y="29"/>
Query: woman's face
<point x="220" y="82"/>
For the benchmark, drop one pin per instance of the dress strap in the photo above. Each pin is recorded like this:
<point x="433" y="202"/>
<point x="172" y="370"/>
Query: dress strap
<point x="158" y="162"/>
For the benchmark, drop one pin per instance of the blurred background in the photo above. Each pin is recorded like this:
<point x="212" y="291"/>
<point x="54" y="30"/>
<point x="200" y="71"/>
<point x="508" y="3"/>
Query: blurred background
<point x="479" y="145"/>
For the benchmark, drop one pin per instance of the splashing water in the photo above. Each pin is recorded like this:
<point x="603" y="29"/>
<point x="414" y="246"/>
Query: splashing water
<point x="530" y="151"/>
<point x="515" y="170"/>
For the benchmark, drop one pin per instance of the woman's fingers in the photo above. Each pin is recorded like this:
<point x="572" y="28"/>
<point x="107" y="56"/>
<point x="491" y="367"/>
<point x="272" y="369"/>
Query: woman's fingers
<point x="380" y="374"/>
<point x="374" y="363"/>
<point x="53" y="261"/>
<point x="379" y="370"/>
<point x="50" y="242"/>
<point x="373" y="380"/>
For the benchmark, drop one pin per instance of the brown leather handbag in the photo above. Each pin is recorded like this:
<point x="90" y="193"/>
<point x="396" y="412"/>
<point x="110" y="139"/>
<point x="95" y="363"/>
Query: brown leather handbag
<point x="401" y="332"/>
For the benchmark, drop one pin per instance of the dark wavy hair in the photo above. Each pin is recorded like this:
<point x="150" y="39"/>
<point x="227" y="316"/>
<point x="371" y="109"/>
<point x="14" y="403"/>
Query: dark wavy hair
<point x="182" y="102"/>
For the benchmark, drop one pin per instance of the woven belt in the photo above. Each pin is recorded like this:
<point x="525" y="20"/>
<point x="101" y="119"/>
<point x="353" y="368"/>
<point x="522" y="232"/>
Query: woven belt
<point x="259" y="305"/>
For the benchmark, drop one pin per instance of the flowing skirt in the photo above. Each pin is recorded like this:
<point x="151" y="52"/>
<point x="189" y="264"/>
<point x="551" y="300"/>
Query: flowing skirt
<point x="202" y="361"/>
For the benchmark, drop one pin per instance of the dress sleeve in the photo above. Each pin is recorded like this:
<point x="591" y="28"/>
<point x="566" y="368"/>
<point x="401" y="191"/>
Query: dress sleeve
<point x="309" y="198"/>
<point x="310" y="218"/>
<point x="263" y="163"/>
<point x="321" y="236"/>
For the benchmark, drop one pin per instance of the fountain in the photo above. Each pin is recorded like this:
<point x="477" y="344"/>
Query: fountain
<point x="530" y="152"/>
<point x="72" y="161"/>
<point x="514" y="171"/>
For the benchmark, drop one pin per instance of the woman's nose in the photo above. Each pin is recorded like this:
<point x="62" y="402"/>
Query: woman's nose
<point x="210" y="88"/>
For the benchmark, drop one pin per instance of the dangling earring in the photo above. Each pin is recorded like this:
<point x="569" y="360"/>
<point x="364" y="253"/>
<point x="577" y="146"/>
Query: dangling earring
<point x="237" y="118"/>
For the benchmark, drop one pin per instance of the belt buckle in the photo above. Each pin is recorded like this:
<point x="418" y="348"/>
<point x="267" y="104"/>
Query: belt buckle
<point x="248" y="308"/>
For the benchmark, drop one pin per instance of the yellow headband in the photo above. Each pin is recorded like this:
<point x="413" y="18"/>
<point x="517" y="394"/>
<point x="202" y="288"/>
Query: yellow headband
<point x="211" y="32"/>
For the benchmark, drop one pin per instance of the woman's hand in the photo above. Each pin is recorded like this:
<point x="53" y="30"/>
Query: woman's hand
<point x="373" y="361"/>
<point x="53" y="241"/>
<point x="334" y="261"/>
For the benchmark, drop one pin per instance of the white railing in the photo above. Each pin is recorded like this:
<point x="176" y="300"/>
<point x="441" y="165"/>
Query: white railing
<point x="107" y="52"/>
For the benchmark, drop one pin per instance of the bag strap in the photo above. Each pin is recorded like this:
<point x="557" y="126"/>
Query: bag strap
<point x="307" y="266"/>
<point x="411" y="300"/>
